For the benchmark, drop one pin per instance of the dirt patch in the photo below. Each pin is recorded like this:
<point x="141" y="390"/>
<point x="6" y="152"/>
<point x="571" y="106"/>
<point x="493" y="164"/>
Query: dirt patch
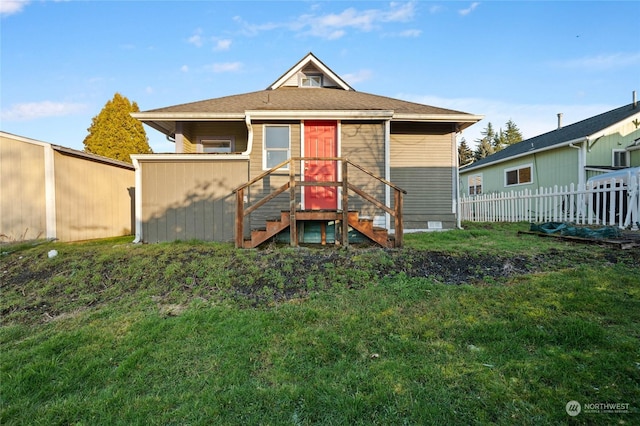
<point x="36" y="289"/>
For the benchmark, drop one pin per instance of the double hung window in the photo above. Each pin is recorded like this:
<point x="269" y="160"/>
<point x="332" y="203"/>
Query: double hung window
<point x="277" y="146"/>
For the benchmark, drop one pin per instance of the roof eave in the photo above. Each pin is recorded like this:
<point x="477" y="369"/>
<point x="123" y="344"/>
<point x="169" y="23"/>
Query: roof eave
<point x="524" y="154"/>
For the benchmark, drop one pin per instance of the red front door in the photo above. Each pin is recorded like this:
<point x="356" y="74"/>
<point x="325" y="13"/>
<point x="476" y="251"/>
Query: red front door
<point x="320" y="141"/>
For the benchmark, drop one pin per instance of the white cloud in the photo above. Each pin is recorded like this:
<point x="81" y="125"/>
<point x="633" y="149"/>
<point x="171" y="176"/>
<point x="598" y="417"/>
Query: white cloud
<point x="223" y="44"/>
<point x="196" y="38"/>
<point x="358" y="76"/>
<point x="33" y="110"/>
<point x="184" y="68"/>
<point x="149" y="90"/>
<point x="333" y="26"/>
<point x="602" y="62"/>
<point x="532" y="119"/>
<point x="224" y="67"/>
<point x="471" y="8"/>
<point x="9" y="7"/>
<point x="410" y="33"/>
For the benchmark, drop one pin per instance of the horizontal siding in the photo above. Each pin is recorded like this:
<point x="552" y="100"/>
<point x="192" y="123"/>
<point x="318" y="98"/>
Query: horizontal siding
<point x="237" y="130"/>
<point x="22" y="194"/>
<point x="363" y="144"/>
<point x="184" y="200"/>
<point x="274" y="181"/>
<point x="422" y="163"/>
<point x="93" y="200"/>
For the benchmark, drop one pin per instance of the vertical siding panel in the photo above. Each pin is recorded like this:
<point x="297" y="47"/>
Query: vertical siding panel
<point x="193" y="194"/>
<point x="22" y="183"/>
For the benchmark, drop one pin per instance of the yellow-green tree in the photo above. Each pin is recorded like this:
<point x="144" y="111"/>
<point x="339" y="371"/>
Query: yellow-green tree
<point x="114" y="133"/>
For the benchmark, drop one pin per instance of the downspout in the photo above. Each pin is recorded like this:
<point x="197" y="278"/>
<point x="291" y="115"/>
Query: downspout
<point x="247" y="121"/>
<point x="456" y="184"/>
<point x="582" y="159"/>
<point x="387" y="171"/>
<point x="138" y="200"/>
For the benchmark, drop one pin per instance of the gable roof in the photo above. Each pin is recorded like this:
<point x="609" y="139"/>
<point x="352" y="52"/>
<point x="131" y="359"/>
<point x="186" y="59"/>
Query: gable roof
<point x="286" y="101"/>
<point x="310" y="59"/>
<point x="583" y="130"/>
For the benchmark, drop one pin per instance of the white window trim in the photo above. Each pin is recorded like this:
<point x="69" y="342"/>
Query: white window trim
<point x="200" y="144"/>
<point x="309" y="76"/>
<point x="522" y="166"/>
<point x="264" y="145"/>
<point x="613" y="157"/>
<point x="472" y="177"/>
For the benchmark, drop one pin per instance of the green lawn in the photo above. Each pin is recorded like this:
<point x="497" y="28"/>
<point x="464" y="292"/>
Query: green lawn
<point x="475" y="326"/>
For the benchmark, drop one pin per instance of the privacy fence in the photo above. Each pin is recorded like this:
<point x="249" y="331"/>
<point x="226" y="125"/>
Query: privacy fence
<point x="614" y="202"/>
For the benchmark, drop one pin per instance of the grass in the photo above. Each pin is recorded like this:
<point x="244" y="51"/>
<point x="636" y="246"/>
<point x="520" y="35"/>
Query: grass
<point x="194" y="333"/>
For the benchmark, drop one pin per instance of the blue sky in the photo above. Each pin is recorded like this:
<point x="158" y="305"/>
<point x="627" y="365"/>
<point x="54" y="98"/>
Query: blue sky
<point x="61" y="61"/>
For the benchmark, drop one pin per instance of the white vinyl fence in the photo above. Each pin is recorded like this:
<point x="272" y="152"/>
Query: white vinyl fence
<point x="612" y="203"/>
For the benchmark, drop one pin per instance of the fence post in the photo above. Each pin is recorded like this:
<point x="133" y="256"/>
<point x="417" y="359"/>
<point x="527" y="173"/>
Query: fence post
<point x="293" y="228"/>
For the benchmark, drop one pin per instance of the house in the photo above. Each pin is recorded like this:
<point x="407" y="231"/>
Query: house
<point x="49" y="191"/>
<point x="568" y="155"/>
<point x="279" y="158"/>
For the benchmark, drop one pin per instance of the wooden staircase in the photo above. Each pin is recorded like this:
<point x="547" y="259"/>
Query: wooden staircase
<point x="344" y="220"/>
<point x="361" y="224"/>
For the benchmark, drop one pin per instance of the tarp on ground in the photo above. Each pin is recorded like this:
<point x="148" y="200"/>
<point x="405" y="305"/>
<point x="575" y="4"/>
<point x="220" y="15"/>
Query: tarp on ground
<point x="571" y="230"/>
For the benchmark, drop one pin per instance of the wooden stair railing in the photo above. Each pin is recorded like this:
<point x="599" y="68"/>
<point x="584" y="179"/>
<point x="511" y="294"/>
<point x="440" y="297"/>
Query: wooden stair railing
<point x="346" y="219"/>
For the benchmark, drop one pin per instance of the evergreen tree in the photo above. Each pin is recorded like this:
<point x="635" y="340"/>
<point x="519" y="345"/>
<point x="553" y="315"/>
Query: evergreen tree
<point x="512" y="134"/>
<point x="484" y="149"/>
<point x="498" y="142"/>
<point x="465" y="154"/>
<point x="486" y="143"/>
<point x="114" y="133"/>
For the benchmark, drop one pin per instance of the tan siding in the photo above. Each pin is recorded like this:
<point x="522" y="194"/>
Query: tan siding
<point x="422" y="163"/>
<point x="93" y="200"/>
<point x="266" y="186"/>
<point x="363" y="144"/>
<point x="22" y="198"/>
<point x="238" y="130"/>
<point x="187" y="199"/>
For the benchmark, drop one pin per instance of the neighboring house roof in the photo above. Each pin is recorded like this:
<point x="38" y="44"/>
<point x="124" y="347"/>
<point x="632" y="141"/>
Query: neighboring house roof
<point x="285" y="101"/>
<point x="590" y="129"/>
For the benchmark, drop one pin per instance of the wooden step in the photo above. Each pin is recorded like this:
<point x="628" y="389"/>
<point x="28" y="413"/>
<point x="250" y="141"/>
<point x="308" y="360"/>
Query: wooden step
<point x="272" y="228"/>
<point x="366" y="228"/>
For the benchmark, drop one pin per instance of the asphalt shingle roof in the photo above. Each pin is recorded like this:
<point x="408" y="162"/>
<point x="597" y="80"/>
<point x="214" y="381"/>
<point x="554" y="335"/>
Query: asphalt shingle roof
<point x="575" y="131"/>
<point x="303" y="99"/>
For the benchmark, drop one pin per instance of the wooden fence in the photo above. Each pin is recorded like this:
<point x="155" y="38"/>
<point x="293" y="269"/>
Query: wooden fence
<point x="614" y="203"/>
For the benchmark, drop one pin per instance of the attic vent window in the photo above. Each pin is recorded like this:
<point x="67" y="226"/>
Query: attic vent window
<point x="311" y="81"/>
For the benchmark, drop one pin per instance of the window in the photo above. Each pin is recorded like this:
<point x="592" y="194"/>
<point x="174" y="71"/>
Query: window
<point x="216" y="144"/>
<point x="475" y="184"/>
<point x="620" y="158"/>
<point x="518" y="176"/>
<point x="276" y="146"/>
<point x="311" y="81"/>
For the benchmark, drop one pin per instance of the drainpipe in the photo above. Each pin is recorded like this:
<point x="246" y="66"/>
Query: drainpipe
<point x="456" y="184"/>
<point x="582" y="159"/>
<point x="247" y="121"/>
<point x="138" y="200"/>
